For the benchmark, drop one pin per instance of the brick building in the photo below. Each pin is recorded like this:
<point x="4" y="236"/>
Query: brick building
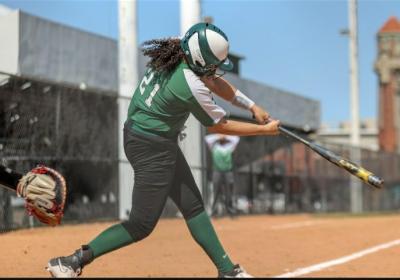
<point x="387" y="67"/>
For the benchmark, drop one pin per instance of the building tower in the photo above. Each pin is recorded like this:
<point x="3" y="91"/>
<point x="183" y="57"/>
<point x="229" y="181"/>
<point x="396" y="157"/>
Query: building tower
<point x="387" y="67"/>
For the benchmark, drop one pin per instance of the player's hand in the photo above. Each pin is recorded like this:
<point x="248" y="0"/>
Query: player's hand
<point x="272" y="127"/>
<point x="259" y="114"/>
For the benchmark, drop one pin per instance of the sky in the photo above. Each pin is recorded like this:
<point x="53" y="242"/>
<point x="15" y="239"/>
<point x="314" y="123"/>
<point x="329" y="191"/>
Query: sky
<point x="293" y="45"/>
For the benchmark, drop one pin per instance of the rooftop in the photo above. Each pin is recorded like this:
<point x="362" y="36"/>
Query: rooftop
<point x="391" y="25"/>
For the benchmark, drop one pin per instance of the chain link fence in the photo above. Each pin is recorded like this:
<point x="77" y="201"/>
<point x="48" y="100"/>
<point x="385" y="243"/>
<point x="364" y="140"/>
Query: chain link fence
<point x="65" y="128"/>
<point x="279" y="175"/>
<point x="75" y="132"/>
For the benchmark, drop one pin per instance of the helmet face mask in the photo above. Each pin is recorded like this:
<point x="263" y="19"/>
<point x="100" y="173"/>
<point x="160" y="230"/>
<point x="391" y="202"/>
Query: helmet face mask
<point x="206" y="48"/>
<point x="208" y="70"/>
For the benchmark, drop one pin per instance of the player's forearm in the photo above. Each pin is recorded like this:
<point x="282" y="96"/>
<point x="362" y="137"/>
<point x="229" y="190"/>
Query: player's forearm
<point x="224" y="89"/>
<point x="220" y="87"/>
<point x="230" y="127"/>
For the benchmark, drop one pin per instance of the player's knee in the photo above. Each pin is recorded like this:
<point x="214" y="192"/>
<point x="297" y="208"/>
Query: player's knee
<point x="139" y="228"/>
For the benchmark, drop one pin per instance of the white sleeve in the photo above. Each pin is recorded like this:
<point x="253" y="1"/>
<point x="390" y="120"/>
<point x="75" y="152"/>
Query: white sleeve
<point x="203" y="106"/>
<point x="233" y="141"/>
<point x="211" y="139"/>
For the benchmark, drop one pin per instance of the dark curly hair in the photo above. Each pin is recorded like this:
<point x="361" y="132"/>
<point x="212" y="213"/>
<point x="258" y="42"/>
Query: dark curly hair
<point x="165" y="54"/>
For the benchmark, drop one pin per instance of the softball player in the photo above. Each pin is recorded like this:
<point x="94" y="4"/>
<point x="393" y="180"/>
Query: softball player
<point x="222" y="148"/>
<point x="180" y="80"/>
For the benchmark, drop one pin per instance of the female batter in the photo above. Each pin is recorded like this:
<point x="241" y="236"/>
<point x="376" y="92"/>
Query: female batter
<point x="180" y="80"/>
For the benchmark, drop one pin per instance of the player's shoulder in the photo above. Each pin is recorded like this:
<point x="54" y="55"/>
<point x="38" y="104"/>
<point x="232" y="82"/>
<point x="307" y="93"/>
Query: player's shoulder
<point x="185" y="82"/>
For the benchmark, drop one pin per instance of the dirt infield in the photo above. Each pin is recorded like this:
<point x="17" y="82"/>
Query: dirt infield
<point x="266" y="246"/>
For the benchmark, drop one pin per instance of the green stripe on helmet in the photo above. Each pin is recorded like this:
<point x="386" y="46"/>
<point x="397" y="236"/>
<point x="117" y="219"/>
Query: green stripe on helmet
<point x="205" y="49"/>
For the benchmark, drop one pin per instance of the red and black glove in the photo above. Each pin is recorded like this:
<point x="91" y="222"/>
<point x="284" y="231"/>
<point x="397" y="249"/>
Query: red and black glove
<point x="44" y="191"/>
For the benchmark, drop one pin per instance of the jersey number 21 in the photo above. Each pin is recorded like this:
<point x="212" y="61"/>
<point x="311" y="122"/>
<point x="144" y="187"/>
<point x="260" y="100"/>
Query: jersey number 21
<point x="144" y="83"/>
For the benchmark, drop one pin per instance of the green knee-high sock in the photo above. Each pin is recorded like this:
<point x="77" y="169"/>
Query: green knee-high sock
<point x="109" y="240"/>
<point x="203" y="232"/>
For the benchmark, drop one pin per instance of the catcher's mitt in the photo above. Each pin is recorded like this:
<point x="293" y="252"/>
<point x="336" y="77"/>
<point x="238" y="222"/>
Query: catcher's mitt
<point x="45" y="191"/>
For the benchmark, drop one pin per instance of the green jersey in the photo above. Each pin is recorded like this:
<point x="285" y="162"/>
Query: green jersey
<point x="161" y="104"/>
<point x="222" y="152"/>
